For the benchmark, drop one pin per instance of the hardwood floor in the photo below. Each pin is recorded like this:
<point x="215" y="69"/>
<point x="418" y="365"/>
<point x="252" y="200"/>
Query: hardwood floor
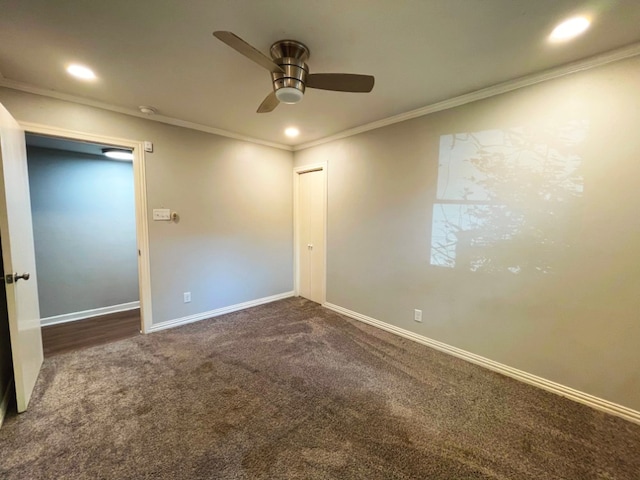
<point x="69" y="336"/>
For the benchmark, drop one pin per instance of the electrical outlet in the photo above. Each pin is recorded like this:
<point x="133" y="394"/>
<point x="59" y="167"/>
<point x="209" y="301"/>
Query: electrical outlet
<point x="187" y="297"/>
<point x="417" y="315"/>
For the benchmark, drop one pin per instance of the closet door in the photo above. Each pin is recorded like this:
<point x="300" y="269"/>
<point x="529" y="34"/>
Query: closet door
<point x="311" y="237"/>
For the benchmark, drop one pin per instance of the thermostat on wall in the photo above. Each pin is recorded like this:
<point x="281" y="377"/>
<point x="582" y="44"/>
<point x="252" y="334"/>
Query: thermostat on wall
<point x="161" y="214"/>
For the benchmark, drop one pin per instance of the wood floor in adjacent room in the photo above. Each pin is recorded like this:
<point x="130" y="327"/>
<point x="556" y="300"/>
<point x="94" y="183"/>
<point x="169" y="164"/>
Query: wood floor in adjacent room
<point x="65" y="337"/>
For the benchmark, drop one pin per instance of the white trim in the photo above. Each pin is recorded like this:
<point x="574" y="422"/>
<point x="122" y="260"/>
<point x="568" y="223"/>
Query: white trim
<point x="498" y="89"/>
<point x="41" y="129"/>
<point x="140" y="187"/>
<point x="95" y="312"/>
<point x="25" y="87"/>
<point x="296" y="250"/>
<point x="142" y="236"/>
<point x="4" y="403"/>
<point x="220" y="311"/>
<point x="548" y="385"/>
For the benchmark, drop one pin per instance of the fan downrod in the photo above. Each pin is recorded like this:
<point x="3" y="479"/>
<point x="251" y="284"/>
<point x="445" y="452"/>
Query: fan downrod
<point x="289" y="48"/>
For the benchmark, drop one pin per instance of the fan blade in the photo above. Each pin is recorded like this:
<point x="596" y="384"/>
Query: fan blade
<point x="341" y="82"/>
<point x="247" y="50"/>
<point x="269" y="103"/>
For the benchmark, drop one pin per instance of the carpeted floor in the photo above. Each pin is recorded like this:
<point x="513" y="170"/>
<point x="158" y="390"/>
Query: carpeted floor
<point x="290" y="390"/>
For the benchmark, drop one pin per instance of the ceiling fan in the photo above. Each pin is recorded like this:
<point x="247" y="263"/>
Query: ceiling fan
<point x="290" y="74"/>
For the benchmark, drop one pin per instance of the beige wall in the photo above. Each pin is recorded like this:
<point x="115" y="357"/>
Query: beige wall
<point x="577" y="323"/>
<point x="572" y="313"/>
<point x="233" y="242"/>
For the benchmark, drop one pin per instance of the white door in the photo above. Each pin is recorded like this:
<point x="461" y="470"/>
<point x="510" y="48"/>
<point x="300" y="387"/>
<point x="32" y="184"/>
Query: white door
<point x="311" y="241"/>
<point x="16" y="235"/>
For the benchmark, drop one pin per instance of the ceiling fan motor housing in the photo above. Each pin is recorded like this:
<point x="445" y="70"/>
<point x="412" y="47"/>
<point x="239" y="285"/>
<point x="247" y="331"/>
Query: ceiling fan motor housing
<point x="290" y="74"/>
<point x="290" y="56"/>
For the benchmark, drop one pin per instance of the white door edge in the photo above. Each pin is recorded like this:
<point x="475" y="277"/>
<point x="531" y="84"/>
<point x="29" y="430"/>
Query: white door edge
<point x="18" y="258"/>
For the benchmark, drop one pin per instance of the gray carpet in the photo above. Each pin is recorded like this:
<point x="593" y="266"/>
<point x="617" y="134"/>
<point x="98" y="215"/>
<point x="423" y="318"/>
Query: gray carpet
<point x="290" y="390"/>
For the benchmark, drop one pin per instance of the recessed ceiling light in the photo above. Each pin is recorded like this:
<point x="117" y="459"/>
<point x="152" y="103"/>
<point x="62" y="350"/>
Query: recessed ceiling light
<point x="292" y="132"/>
<point x="81" y="72"/>
<point x="569" y="29"/>
<point x="118" y="153"/>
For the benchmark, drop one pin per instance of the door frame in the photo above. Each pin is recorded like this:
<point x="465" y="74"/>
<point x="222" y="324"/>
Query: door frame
<point x="297" y="171"/>
<point x="140" y="189"/>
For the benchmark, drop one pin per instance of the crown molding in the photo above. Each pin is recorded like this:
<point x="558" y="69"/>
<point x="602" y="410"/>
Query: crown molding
<point x="498" y="89"/>
<point x="25" y="87"/>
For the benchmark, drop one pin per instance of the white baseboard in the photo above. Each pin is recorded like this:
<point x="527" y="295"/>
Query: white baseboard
<point x="220" y="311"/>
<point x="4" y="403"/>
<point x="72" y="317"/>
<point x="548" y="385"/>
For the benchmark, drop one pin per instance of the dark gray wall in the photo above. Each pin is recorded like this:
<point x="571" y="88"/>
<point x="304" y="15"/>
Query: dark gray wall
<point x="84" y="231"/>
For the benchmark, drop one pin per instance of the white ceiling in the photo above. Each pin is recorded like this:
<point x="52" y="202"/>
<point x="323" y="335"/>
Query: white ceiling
<point x="162" y="53"/>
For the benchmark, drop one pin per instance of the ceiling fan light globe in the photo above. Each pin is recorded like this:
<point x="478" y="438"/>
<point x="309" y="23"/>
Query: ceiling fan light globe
<point x="289" y="95"/>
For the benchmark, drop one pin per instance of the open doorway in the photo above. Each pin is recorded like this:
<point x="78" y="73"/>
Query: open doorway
<point x="84" y="219"/>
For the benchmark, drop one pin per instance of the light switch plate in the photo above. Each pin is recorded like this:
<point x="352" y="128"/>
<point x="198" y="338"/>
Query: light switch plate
<point x="148" y="147"/>
<point x="161" y="214"/>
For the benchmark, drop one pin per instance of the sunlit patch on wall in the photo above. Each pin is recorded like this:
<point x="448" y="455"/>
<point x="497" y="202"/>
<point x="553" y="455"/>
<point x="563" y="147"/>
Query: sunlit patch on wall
<point x="503" y="197"/>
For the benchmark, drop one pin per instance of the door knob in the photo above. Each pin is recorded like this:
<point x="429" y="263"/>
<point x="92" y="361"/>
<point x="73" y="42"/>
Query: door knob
<point x="310" y="246"/>
<point x="14" y="277"/>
